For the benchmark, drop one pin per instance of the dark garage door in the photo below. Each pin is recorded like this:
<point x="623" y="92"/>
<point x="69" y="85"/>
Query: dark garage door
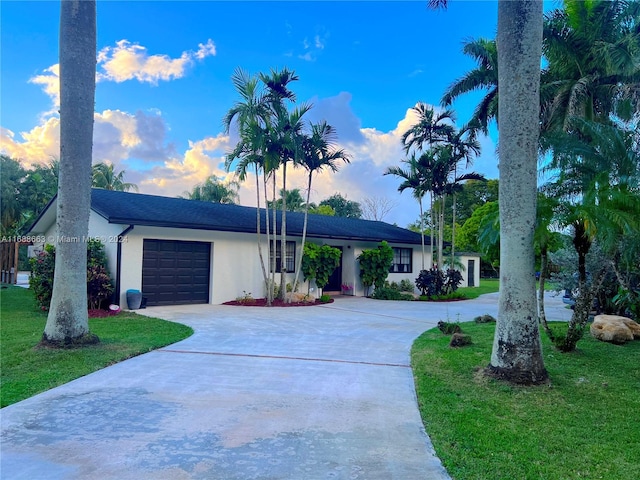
<point x="175" y="273"/>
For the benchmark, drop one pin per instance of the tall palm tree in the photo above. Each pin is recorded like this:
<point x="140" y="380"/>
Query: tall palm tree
<point x="484" y="77"/>
<point x="598" y="185"/>
<point x="250" y="114"/>
<point x="318" y="153"/>
<point x="593" y="70"/>
<point x="105" y="177"/>
<point x="517" y="350"/>
<point x="415" y="177"/>
<point x="67" y="321"/>
<point x="430" y="129"/>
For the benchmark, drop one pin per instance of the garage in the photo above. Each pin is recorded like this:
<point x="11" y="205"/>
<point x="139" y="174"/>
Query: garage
<point x="175" y="272"/>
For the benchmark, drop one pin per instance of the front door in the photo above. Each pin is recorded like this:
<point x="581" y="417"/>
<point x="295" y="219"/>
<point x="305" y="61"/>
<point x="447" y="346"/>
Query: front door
<point x="335" y="280"/>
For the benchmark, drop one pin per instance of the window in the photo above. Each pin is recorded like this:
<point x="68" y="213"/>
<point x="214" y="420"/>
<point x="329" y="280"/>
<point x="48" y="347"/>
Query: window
<point x="290" y="257"/>
<point x="402" y="260"/>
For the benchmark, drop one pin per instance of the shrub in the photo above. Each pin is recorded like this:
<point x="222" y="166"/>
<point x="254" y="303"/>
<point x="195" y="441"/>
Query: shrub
<point x="375" y="264"/>
<point x="41" y="280"/>
<point x="406" y="285"/>
<point x="389" y="293"/>
<point x="484" y="319"/>
<point x="449" y="328"/>
<point x="245" y="298"/>
<point x="319" y="262"/>
<point x="99" y="285"/>
<point x="434" y="282"/>
<point x="325" y="299"/>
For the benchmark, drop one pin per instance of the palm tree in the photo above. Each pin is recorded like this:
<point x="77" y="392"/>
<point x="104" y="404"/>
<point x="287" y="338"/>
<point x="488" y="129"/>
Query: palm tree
<point x="517" y="351"/>
<point x="105" y="177"/>
<point x="215" y="191"/>
<point x="67" y="321"/>
<point x="250" y="114"/>
<point x="430" y="129"/>
<point x="484" y="77"/>
<point x="593" y="71"/>
<point x="318" y="153"/>
<point x="415" y="177"/>
<point x="597" y="184"/>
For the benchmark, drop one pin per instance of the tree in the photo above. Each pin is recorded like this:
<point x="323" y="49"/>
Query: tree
<point x="484" y="77"/>
<point x="105" y="177"/>
<point x="319" y="262"/>
<point x="342" y="206"/>
<point x="294" y="201"/>
<point x="215" y="191"/>
<point x="376" y="208"/>
<point x="430" y="128"/>
<point x="318" y="153"/>
<point x="322" y="210"/>
<point x="67" y="321"/>
<point x="375" y="264"/>
<point x="593" y="71"/>
<point x="517" y="351"/>
<point x="12" y="176"/>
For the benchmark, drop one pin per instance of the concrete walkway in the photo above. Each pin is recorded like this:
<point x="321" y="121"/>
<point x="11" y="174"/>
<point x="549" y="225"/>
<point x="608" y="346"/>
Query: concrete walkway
<point x="320" y="392"/>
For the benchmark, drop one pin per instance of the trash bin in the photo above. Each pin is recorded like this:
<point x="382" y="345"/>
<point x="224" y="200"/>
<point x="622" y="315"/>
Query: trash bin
<point x="134" y="299"/>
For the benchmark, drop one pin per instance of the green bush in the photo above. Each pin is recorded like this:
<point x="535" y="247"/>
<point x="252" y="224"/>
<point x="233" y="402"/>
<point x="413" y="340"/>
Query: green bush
<point x="406" y="285"/>
<point x="375" y="264"/>
<point x="434" y="282"/>
<point x="325" y="299"/>
<point x="389" y="293"/>
<point x="319" y="262"/>
<point x="99" y="287"/>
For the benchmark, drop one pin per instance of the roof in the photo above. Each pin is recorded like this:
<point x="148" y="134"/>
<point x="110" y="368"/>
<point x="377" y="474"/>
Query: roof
<point x="126" y="208"/>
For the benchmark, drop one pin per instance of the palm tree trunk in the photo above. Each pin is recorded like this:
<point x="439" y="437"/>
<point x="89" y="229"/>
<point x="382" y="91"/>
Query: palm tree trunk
<point x="422" y="230"/>
<point x="283" y="234"/>
<point x="67" y="321"/>
<point x="453" y="231"/>
<point x="517" y="352"/>
<point x="542" y="316"/>
<point x="265" y="276"/>
<point x="304" y="235"/>
<point x="441" y="233"/>
<point x="274" y="246"/>
<point x="433" y="229"/>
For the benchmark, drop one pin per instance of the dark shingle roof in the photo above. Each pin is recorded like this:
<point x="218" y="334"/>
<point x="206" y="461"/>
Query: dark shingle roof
<point x="152" y="210"/>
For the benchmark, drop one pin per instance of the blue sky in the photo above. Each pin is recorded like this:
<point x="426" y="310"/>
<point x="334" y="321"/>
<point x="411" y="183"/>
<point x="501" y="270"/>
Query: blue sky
<point x="164" y="70"/>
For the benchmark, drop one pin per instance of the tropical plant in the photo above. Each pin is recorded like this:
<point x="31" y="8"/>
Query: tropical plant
<point x="484" y="77"/>
<point x="67" y="321"/>
<point x="319" y="262"/>
<point x="375" y="264"/>
<point x="342" y="206"/>
<point x="318" y="153"/>
<point x="104" y="176"/>
<point x="215" y="191"/>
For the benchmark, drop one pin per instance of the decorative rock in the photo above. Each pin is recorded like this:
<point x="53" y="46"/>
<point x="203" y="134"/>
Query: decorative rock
<point x="614" y="329"/>
<point x="460" y="340"/>
<point x="297" y="297"/>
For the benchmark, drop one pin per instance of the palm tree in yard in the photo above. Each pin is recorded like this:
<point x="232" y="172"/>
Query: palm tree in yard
<point x="415" y="176"/>
<point x="249" y="114"/>
<point x="593" y="69"/>
<point x="484" y="77"/>
<point x="318" y="152"/>
<point x="105" y="177"/>
<point x="430" y="128"/>
<point x="67" y="321"/>
<point x="517" y="352"/>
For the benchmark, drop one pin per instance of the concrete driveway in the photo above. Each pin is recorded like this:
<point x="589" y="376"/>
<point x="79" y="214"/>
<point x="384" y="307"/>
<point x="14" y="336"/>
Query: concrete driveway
<point x="322" y="392"/>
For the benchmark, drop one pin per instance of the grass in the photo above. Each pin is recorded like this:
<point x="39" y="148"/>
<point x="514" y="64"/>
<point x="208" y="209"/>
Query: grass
<point x="27" y="370"/>
<point x="583" y="425"/>
<point x="487" y="285"/>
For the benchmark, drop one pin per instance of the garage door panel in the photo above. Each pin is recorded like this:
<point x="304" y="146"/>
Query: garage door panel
<point x="175" y="272"/>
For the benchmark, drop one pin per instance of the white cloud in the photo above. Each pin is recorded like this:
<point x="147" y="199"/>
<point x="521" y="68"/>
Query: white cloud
<point x="50" y="81"/>
<point x="128" y="61"/>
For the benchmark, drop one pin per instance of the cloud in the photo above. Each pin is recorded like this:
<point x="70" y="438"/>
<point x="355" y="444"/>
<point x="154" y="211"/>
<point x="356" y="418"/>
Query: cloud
<point x="313" y="48"/>
<point x="338" y="113"/>
<point x="128" y="61"/>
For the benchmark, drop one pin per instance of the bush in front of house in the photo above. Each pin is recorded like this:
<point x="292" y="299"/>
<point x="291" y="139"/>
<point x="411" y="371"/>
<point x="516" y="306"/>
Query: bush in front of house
<point x="99" y="287"/>
<point x="390" y="293"/>
<point x="375" y="264"/>
<point x="434" y="282"/>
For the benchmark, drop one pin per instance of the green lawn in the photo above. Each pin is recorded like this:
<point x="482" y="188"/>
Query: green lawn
<point x="26" y="370"/>
<point x="583" y="425"/>
<point x="487" y="285"/>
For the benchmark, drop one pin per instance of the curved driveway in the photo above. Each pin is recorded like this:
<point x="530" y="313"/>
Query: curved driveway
<point x="320" y="392"/>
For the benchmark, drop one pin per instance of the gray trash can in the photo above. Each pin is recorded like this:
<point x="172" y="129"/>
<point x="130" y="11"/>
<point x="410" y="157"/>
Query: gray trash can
<point x="134" y="299"/>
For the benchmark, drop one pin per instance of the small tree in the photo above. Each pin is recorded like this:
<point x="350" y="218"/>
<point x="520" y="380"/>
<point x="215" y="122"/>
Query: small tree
<point x="375" y="265"/>
<point x="319" y="262"/>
